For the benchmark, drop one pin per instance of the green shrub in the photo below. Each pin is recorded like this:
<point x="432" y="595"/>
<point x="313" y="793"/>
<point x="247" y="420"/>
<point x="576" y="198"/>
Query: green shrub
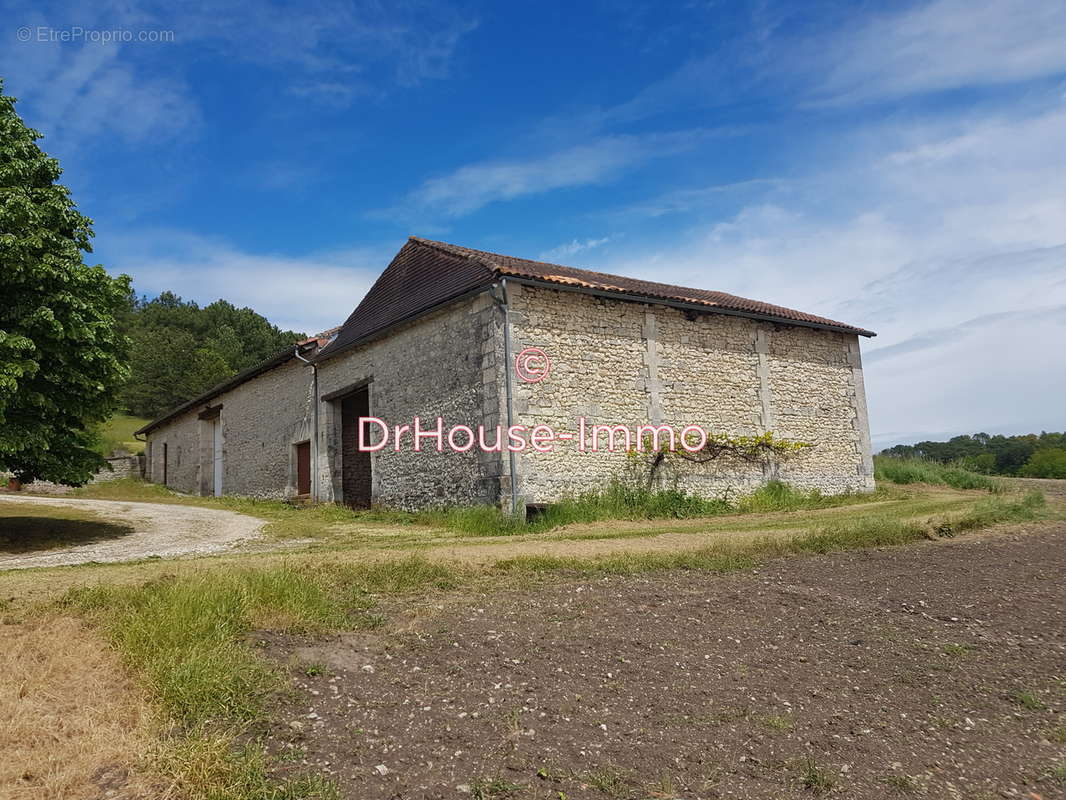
<point x="1047" y="463"/>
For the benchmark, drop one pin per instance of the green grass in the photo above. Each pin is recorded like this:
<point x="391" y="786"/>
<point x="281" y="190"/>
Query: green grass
<point x="620" y="501"/>
<point x="917" y="470"/>
<point x="189" y="636"/>
<point x="875" y="530"/>
<point x="616" y="502"/>
<point x="1027" y="700"/>
<point x="117" y="435"/>
<point x="814" y="778"/>
<point x="1057" y="772"/>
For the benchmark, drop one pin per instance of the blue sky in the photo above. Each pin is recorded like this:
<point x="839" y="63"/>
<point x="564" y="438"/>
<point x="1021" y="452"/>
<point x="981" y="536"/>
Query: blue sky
<point x="899" y="166"/>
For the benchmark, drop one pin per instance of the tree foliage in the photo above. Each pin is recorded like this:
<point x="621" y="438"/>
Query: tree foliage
<point x="980" y="452"/>
<point x="181" y="350"/>
<point x="62" y="355"/>
<point x="1047" y="463"/>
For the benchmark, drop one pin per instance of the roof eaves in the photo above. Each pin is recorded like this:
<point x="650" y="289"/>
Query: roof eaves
<point x="266" y="365"/>
<point x="576" y="285"/>
<point x="604" y="283"/>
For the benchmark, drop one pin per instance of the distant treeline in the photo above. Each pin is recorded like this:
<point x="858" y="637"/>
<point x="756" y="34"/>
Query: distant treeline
<point x="180" y="350"/>
<point x="1030" y="455"/>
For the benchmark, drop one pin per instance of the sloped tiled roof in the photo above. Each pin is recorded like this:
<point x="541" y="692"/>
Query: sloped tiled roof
<point x="426" y="274"/>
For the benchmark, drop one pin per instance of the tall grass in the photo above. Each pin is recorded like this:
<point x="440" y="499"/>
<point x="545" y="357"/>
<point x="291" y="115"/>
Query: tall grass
<point x="621" y="501"/>
<point x="618" y="501"/>
<point x="187" y="638"/>
<point x="918" y="470"/>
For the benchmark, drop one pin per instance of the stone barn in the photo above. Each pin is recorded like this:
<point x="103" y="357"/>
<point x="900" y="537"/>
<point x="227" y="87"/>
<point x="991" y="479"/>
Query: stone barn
<point x="465" y="376"/>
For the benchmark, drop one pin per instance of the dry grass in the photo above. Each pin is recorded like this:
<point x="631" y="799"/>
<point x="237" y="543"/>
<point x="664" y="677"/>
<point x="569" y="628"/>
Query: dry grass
<point x="74" y="724"/>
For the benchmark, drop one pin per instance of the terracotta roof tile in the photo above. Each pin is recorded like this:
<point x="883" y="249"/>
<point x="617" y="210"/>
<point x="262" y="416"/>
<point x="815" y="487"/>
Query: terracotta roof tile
<point x="427" y="273"/>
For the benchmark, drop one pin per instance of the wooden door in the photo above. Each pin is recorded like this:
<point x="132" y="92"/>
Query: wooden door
<point x="303" y="468"/>
<point x="356" y="479"/>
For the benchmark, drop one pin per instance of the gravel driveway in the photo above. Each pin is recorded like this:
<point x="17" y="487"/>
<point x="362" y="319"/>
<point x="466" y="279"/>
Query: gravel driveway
<point x="158" y="530"/>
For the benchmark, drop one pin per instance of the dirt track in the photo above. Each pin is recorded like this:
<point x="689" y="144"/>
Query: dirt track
<point x="158" y="530"/>
<point x="935" y="670"/>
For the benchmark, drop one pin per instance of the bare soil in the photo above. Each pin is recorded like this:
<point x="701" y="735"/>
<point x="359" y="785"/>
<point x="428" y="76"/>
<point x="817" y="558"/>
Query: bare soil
<point x="935" y="670"/>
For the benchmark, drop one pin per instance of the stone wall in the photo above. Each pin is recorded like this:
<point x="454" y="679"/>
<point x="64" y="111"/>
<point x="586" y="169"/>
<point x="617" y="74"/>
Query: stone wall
<point x="625" y="363"/>
<point x="179" y="439"/>
<point x="127" y="466"/>
<point x="120" y="467"/>
<point x="613" y="363"/>
<point x="442" y="365"/>
<point x="262" y="421"/>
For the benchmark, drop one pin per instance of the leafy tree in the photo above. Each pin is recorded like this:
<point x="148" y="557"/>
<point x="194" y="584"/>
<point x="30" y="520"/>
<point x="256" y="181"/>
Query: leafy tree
<point x="984" y="463"/>
<point x="1002" y="455"/>
<point x="181" y="350"/>
<point x="62" y="357"/>
<point x="1049" y="463"/>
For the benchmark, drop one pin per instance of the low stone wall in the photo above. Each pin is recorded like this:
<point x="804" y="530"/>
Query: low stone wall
<point x="120" y="467"/>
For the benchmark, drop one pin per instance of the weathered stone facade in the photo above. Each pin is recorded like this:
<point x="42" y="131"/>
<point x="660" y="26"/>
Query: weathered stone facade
<point x="626" y="363"/>
<point x="262" y="419"/>
<point x="613" y="362"/>
<point x="433" y="367"/>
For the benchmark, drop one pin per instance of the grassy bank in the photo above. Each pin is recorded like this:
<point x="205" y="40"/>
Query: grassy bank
<point x="191" y="636"/>
<point x="616" y="502"/>
<point x="116" y="435"/>
<point x="917" y="470"/>
<point x="620" y="501"/>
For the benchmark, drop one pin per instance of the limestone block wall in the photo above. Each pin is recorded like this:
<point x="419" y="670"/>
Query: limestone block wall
<point x="613" y="363"/>
<point x="181" y="437"/>
<point x="625" y="363"/>
<point x="262" y="420"/>
<point x="120" y="467"/>
<point x="443" y="364"/>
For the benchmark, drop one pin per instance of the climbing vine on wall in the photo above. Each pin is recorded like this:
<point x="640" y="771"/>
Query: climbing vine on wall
<point x="764" y="449"/>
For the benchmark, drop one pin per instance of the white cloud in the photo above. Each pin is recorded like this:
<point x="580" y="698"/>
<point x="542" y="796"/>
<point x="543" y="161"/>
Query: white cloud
<point x="680" y="201"/>
<point x="474" y="186"/>
<point x="309" y="293"/>
<point x="572" y="248"/>
<point x="329" y="52"/>
<point x="941" y="45"/>
<point x="339" y="50"/>
<point x="80" y="91"/>
<point x="948" y="240"/>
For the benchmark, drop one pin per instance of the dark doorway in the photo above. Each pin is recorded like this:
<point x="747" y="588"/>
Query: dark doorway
<point x="355" y="466"/>
<point x="164" y="463"/>
<point x="303" y="468"/>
